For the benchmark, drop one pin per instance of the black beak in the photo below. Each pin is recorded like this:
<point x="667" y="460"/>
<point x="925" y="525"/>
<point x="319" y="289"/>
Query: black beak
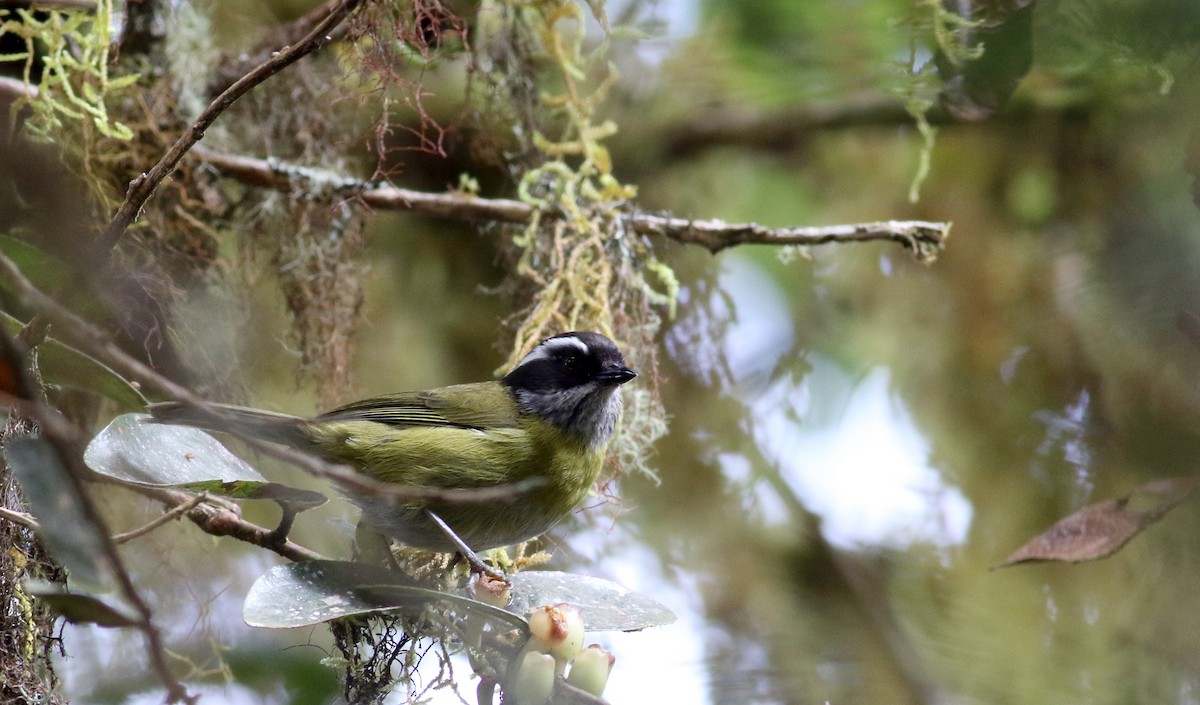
<point x="616" y="375"/>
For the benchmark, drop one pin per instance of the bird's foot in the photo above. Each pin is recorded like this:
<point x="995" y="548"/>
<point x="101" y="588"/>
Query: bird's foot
<point x="476" y="564"/>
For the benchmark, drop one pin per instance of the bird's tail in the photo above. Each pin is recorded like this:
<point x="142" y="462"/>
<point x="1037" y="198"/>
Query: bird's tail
<point x="265" y="425"/>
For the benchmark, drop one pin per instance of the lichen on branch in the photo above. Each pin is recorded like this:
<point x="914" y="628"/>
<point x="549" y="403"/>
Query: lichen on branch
<point x="74" y="87"/>
<point x="578" y="263"/>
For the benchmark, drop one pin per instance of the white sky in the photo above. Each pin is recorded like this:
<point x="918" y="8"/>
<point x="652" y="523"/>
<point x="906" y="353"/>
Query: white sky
<point x="843" y="443"/>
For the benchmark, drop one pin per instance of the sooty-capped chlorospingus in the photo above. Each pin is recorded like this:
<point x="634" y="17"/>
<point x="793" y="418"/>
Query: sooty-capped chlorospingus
<point x="550" y="418"/>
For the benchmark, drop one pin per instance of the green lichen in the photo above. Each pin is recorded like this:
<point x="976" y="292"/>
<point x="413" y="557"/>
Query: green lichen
<point x="583" y="267"/>
<point x="930" y="22"/>
<point x="75" y="86"/>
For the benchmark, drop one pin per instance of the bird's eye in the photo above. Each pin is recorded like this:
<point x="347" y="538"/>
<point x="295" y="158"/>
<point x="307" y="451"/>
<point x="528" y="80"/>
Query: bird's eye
<point x="570" y="363"/>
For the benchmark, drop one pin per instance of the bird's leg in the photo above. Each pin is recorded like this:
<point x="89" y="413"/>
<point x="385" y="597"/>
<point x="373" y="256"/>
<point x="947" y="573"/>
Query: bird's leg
<point x="473" y="560"/>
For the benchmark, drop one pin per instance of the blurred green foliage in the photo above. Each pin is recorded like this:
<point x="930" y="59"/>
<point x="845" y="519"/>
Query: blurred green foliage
<point x="1039" y="362"/>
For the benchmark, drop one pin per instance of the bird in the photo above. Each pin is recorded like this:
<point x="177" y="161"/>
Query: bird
<point x="547" y="424"/>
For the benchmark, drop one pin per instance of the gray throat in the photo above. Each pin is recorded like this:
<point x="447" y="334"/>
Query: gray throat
<point x="589" y="412"/>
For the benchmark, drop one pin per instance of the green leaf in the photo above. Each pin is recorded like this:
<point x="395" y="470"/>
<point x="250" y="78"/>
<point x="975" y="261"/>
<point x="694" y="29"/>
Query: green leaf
<point x="311" y="592"/>
<point x="134" y="450"/>
<point x="65" y="366"/>
<point x="605" y="605"/>
<point x="80" y="608"/>
<point x="73" y="539"/>
<point x="45" y="271"/>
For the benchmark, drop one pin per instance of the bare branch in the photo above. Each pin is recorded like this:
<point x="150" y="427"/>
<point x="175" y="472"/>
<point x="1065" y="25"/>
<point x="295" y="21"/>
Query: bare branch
<point x="143" y="187"/>
<point x="781" y="130"/>
<point x="172" y="513"/>
<point x="212" y="516"/>
<point x="273" y="174"/>
<point x="217" y="519"/>
<point x="19" y="518"/>
<point x="925" y="239"/>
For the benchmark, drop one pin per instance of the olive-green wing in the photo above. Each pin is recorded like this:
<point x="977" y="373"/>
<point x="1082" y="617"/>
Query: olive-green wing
<point x="480" y="406"/>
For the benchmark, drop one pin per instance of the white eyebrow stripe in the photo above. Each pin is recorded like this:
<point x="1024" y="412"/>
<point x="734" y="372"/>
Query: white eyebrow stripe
<point x="544" y="351"/>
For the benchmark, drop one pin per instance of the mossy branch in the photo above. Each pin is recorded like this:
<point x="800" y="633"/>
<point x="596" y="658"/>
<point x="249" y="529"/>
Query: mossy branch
<point x="924" y="238"/>
<point x="143" y="187"/>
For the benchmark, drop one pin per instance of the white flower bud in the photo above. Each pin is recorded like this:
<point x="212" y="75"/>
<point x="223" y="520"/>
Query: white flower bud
<point x="533" y="681"/>
<point x="557" y="630"/>
<point x="492" y="591"/>
<point x="589" y="671"/>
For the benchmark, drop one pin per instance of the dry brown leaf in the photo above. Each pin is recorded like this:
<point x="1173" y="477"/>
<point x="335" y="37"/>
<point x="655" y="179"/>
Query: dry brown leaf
<point x="1099" y="530"/>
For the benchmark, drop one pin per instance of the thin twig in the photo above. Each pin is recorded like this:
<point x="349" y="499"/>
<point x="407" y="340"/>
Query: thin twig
<point x="217" y="519"/>
<point x="20" y="518"/>
<point x="143" y="187"/>
<point x="169" y="515"/>
<point x="270" y="173"/>
<point x="473" y="559"/>
<point x="924" y="238"/>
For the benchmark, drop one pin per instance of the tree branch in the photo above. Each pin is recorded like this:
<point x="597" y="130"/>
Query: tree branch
<point x="783" y="129"/>
<point x="925" y="239"/>
<point x="216" y="519"/>
<point x="143" y="187"/>
<point x="19" y="518"/>
<point x="172" y="513"/>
